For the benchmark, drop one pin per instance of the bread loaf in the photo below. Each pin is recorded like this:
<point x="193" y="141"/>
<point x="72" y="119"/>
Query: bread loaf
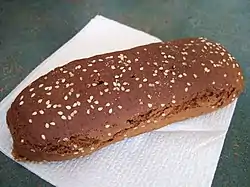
<point x="90" y="103"/>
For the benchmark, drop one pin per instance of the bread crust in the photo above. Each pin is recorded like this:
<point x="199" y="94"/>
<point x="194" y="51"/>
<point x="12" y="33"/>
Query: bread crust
<point x="91" y="103"/>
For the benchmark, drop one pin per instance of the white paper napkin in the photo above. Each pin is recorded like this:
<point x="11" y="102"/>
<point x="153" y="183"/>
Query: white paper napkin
<point x="184" y="154"/>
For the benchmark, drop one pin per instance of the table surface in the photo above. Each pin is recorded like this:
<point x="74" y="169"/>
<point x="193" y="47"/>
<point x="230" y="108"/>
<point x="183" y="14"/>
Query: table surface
<point x="32" y="30"/>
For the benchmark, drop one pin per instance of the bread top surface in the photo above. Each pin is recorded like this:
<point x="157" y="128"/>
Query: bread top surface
<point x="95" y="97"/>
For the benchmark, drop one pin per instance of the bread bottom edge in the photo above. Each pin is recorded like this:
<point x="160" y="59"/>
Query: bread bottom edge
<point x="22" y="154"/>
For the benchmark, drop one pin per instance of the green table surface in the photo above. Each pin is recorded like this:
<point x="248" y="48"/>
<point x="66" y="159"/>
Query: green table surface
<point x="32" y="30"/>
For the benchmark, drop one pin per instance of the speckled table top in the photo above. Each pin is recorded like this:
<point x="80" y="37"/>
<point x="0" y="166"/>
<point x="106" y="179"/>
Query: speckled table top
<point x="31" y="30"/>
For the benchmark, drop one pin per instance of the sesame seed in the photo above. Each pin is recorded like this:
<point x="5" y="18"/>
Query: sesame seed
<point x="54" y="106"/>
<point x="65" y="97"/>
<point x="31" y="89"/>
<point x="21" y="103"/>
<point x="48" y="106"/>
<point x="149" y="96"/>
<point x="40" y="85"/>
<point x="145" y="80"/>
<point x="106" y="90"/>
<point x="43" y="137"/>
<point x="107" y="104"/>
<point x="78" y="95"/>
<point x="68" y="107"/>
<point x="162" y="105"/>
<point x="106" y="84"/>
<point x="148" y="121"/>
<point x="88" y="111"/>
<point x="110" y="110"/>
<point x="157" y="82"/>
<point x="150" y="105"/>
<point x="52" y="123"/>
<point x="49" y="93"/>
<point x="46" y="125"/>
<point x="195" y="76"/>
<point x="186" y="89"/>
<point x="119" y="106"/>
<point x="206" y="69"/>
<point x="78" y="67"/>
<point x="107" y="126"/>
<point x="140" y="85"/>
<point x="32" y="95"/>
<point x="180" y="76"/>
<point x="41" y="111"/>
<point x="60" y="112"/>
<point x="22" y="140"/>
<point x="141" y="68"/>
<point x="173" y="101"/>
<point x="63" y="117"/>
<point x="90" y="65"/>
<point x="34" y="113"/>
<point x="172" y="81"/>
<point x="225" y="75"/>
<point x="163" y="115"/>
<point x="99" y="108"/>
<point x="109" y="134"/>
<point x="30" y="120"/>
<point x="101" y="93"/>
<point x="91" y="106"/>
<point x="188" y="84"/>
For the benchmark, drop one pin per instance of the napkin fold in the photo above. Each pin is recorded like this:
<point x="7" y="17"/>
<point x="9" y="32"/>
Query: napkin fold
<point x="182" y="154"/>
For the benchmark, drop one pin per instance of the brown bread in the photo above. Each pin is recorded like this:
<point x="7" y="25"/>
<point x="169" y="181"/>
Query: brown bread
<point x="90" y="103"/>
